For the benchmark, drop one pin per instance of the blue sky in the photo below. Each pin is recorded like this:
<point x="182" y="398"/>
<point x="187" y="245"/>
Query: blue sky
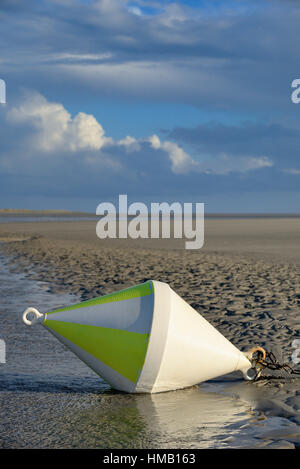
<point x="163" y="101"/>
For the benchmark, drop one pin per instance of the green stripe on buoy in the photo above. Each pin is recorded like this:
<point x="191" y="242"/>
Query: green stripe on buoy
<point x="121" y="350"/>
<point x="143" y="289"/>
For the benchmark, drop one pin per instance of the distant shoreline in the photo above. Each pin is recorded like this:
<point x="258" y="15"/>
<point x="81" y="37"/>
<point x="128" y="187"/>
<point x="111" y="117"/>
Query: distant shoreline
<point x="54" y="212"/>
<point x="68" y="213"/>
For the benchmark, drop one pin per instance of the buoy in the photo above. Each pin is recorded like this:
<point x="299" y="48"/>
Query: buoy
<point x="145" y="339"/>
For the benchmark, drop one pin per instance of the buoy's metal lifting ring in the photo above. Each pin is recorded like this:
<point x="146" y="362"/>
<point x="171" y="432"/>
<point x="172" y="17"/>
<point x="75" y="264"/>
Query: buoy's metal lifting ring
<point x="37" y="316"/>
<point x="256" y="363"/>
<point x="262" y="353"/>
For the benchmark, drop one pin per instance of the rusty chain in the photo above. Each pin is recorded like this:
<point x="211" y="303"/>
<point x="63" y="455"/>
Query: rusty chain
<point x="270" y="362"/>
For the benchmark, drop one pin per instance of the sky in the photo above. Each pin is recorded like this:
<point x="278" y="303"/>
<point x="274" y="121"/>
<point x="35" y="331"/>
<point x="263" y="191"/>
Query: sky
<point x="185" y="101"/>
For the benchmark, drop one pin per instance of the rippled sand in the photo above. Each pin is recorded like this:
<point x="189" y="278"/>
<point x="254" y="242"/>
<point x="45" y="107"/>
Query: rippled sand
<point x="245" y="281"/>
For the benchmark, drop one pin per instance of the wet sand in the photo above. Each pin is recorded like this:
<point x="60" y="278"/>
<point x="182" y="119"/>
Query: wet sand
<point x="245" y="281"/>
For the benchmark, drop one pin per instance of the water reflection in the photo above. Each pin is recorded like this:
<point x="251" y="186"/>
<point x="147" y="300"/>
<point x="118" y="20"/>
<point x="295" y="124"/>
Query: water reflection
<point x="192" y="418"/>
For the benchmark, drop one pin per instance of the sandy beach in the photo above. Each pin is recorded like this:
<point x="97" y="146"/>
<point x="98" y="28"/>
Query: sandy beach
<point x="245" y="281"/>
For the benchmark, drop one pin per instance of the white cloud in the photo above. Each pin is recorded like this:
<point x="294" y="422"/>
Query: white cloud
<point x="293" y="171"/>
<point x="135" y="11"/>
<point x="70" y="57"/>
<point x="224" y="164"/>
<point x="130" y="143"/>
<point x="181" y="161"/>
<point x="52" y="130"/>
<point x="220" y="164"/>
<point x="55" y="128"/>
<point x="134" y="77"/>
<point x="172" y="15"/>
